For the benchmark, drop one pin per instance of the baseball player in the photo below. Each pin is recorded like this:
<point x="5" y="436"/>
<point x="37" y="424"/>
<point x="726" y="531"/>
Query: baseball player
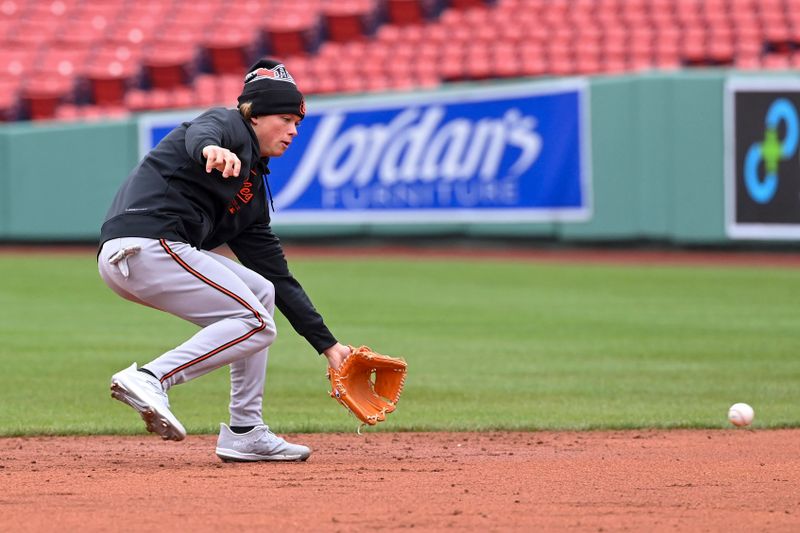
<point x="204" y="185"/>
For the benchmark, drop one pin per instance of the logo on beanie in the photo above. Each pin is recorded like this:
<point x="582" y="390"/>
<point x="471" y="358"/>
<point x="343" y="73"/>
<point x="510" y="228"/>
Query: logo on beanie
<point x="278" y="72"/>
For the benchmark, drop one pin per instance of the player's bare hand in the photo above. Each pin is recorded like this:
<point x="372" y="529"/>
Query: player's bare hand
<point x="223" y="160"/>
<point x="336" y="354"/>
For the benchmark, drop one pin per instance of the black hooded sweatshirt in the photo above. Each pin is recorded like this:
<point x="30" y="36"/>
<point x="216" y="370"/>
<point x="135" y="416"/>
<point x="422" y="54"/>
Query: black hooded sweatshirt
<point x="170" y="196"/>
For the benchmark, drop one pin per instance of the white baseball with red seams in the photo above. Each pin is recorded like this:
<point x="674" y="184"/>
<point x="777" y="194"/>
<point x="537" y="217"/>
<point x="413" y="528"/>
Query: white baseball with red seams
<point x="741" y="414"/>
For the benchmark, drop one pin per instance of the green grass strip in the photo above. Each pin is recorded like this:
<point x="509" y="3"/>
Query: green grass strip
<point x="490" y="345"/>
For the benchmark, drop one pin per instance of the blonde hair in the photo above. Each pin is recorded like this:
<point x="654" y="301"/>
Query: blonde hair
<point x="246" y="110"/>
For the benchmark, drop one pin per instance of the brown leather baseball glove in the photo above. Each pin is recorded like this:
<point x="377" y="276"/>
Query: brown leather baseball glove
<point x="352" y="384"/>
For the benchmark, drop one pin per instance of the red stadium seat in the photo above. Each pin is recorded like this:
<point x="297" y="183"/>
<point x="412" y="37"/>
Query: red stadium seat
<point x="349" y="20"/>
<point x="426" y="73"/>
<point x="109" y="80"/>
<point x="159" y="99"/>
<point x="230" y="52"/>
<point x="693" y="50"/>
<point x="17" y="62"/>
<point x="388" y="33"/>
<point x="179" y="34"/>
<point x="614" y="49"/>
<point x="181" y="97"/>
<point x="33" y="33"/>
<point x="326" y="85"/>
<point x="615" y="66"/>
<point x="477" y="63"/>
<point x="508" y="67"/>
<point x="167" y="66"/>
<point x="287" y="41"/>
<point x="465" y="4"/>
<point x="562" y="66"/>
<point x="136" y="100"/>
<point x="378" y="83"/>
<point x="588" y="65"/>
<point x="776" y="61"/>
<point x="68" y="112"/>
<point x="229" y="88"/>
<point x="135" y="32"/>
<point x="403" y="12"/>
<point x="721" y="52"/>
<point x="452" y="69"/>
<point x="43" y="93"/>
<point x="416" y="35"/>
<point x="205" y="90"/>
<point x="196" y="11"/>
<point x="667" y="62"/>
<point x="531" y="66"/>
<point x="86" y="113"/>
<point x="67" y="61"/>
<point x="293" y="35"/>
<point x="779" y="38"/>
<point x="748" y="61"/>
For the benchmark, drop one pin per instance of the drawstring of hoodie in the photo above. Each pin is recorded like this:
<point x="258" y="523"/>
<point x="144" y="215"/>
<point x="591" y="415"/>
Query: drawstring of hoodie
<point x="269" y="191"/>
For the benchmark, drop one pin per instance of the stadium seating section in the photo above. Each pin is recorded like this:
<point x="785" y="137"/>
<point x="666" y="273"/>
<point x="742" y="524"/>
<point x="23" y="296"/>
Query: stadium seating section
<point x="80" y="59"/>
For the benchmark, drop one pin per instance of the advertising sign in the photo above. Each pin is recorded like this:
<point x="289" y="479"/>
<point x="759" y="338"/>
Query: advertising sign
<point x="507" y="154"/>
<point x="762" y="159"/>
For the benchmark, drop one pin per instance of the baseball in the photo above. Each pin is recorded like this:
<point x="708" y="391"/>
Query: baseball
<point x="741" y="414"/>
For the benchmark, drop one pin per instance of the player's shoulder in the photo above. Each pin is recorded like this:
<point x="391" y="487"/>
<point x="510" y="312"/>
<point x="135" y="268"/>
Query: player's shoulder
<point x="225" y="119"/>
<point x="219" y="114"/>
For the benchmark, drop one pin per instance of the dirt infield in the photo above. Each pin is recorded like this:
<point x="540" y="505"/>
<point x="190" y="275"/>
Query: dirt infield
<point x="707" y="480"/>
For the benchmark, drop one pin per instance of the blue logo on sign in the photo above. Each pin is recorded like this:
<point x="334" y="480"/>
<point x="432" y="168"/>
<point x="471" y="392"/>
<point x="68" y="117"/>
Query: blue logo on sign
<point x="771" y="151"/>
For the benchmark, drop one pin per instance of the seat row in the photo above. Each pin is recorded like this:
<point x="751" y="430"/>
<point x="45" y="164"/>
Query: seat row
<point x="116" y="56"/>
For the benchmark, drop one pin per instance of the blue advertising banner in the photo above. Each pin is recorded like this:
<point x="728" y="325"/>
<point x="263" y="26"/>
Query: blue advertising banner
<point x="512" y="153"/>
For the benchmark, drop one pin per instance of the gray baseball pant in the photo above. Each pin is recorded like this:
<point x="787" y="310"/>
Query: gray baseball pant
<point x="233" y="305"/>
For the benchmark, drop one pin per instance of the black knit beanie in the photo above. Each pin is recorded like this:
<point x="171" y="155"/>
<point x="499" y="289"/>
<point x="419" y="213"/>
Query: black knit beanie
<point x="272" y="90"/>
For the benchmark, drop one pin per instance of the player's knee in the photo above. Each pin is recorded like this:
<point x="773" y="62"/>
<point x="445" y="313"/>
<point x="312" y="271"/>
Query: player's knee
<point x="266" y="332"/>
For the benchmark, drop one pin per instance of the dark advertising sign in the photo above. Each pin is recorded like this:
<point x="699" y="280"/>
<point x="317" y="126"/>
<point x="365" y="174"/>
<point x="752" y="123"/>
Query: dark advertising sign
<point x="762" y="159"/>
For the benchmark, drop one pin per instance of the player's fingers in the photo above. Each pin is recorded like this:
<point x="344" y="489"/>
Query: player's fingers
<point x="211" y="160"/>
<point x="237" y="165"/>
<point x="227" y="170"/>
<point x="208" y="153"/>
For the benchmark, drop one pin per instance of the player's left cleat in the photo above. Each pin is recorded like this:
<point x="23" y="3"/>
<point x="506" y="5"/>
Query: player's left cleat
<point x="144" y="393"/>
<point x="258" y="444"/>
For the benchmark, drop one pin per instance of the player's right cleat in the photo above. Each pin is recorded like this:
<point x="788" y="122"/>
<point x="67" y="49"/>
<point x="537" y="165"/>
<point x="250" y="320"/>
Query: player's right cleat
<point x="144" y="393"/>
<point x="258" y="444"/>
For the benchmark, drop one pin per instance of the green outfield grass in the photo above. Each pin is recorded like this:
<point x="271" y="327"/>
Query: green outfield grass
<point x="490" y="345"/>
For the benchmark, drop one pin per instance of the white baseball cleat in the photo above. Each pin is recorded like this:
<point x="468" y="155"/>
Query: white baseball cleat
<point x="144" y="393"/>
<point x="258" y="444"/>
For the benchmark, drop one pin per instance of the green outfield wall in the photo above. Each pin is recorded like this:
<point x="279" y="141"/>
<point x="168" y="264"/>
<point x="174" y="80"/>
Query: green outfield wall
<point x="657" y="157"/>
<point x="57" y="180"/>
<point x="656" y="153"/>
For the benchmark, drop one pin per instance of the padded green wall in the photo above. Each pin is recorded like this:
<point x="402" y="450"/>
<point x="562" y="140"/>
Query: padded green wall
<point x="657" y="157"/>
<point x="58" y="180"/>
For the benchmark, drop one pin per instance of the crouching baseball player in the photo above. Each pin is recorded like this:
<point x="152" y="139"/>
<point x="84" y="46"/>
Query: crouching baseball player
<point x="205" y="185"/>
